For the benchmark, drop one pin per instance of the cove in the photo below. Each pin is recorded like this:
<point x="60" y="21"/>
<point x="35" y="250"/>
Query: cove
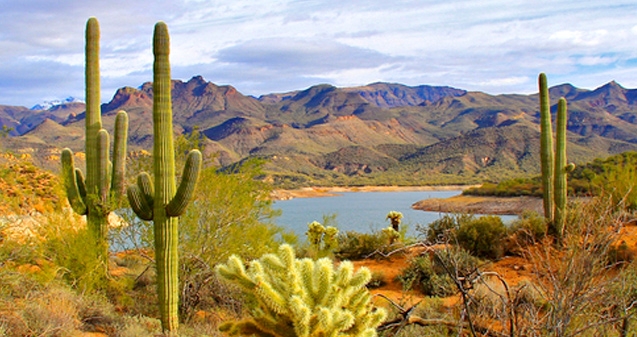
<point x="358" y="211"/>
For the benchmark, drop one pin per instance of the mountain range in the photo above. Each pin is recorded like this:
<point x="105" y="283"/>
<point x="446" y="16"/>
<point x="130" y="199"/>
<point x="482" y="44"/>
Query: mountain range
<point x="381" y="133"/>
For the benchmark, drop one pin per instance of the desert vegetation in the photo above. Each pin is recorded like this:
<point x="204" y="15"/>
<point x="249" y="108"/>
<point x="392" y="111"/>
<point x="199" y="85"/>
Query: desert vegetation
<point x="225" y="268"/>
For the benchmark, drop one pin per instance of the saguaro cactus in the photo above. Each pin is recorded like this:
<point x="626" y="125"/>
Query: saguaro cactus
<point x="302" y="297"/>
<point x="164" y="203"/>
<point x="561" y="169"/>
<point x="546" y="148"/>
<point x="100" y="193"/>
<point x="554" y="166"/>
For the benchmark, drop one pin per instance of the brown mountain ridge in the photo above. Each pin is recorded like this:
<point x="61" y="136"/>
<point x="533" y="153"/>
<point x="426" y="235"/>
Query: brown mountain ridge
<point x="379" y="133"/>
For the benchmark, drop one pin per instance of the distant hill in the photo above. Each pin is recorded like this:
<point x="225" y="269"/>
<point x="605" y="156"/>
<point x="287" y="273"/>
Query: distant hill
<point x="381" y="133"/>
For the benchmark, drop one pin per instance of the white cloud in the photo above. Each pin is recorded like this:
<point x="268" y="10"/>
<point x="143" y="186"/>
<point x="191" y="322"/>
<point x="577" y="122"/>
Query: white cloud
<point x="491" y="45"/>
<point x="504" y="82"/>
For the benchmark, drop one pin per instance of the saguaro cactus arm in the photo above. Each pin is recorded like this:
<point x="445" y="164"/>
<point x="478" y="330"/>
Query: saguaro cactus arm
<point x="186" y="190"/>
<point x="139" y="203"/>
<point x="119" y="154"/>
<point x="71" y="183"/>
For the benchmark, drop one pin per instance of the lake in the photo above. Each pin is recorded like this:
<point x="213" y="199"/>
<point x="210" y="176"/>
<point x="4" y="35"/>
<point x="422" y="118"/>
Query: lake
<point x="358" y="211"/>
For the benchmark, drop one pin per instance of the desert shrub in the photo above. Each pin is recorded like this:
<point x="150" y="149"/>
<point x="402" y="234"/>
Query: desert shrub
<point x="482" y="236"/>
<point x="72" y="247"/>
<point x="620" y="253"/>
<point x="232" y="214"/>
<point x="434" y="274"/>
<point x="529" y="227"/>
<point x="134" y="326"/>
<point x="443" y="229"/>
<point x="573" y="279"/>
<point x="31" y="308"/>
<point x="355" y="246"/>
<point x="378" y="280"/>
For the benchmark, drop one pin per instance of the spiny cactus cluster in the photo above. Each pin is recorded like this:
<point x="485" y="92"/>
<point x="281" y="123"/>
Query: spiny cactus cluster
<point x="322" y="238"/>
<point x="394" y="218"/>
<point x="302" y="297"/>
<point x="553" y="160"/>
<point x="163" y="202"/>
<point x="103" y="188"/>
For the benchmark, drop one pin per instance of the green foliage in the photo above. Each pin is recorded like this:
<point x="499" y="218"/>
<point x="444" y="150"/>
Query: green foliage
<point x="5" y="131"/>
<point x="482" y="236"/>
<point x="378" y="280"/>
<point x="616" y="177"/>
<point x="509" y="188"/>
<point x="71" y="247"/>
<point x="233" y="217"/>
<point x="302" y="297"/>
<point x="443" y="229"/>
<point x="430" y="274"/>
<point x="356" y="246"/>
<point x="530" y="227"/>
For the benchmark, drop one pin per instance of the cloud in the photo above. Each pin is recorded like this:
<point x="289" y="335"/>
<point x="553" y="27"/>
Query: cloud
<point x="282" y="45"/>
<point x="292" y="55"/>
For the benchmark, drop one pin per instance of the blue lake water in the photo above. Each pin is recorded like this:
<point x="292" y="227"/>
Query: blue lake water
<point x="358" y="211"/>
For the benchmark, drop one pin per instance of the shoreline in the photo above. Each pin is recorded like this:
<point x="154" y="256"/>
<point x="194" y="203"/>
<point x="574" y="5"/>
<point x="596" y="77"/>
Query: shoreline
<point x="321" y="192"/>
<point x="481" y="205"/>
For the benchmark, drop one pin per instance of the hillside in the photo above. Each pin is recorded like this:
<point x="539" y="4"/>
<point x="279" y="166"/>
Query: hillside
<point x="381" y="133"/>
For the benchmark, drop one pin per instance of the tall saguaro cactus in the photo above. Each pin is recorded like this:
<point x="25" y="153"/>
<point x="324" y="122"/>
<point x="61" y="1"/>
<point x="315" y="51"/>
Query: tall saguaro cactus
<point x="103" y="187"/>
<point x="561" y="169"/>
<point x="546" y="147"/>
<point x="164" y="203"/>
<point x="553" y="161"/>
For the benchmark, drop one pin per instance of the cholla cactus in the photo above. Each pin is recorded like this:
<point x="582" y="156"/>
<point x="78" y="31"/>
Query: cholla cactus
<point x="394" y="218"/>
<point x="322" y="239"/>
<point x="302" y="297"/>
<point x="391" y="234"/>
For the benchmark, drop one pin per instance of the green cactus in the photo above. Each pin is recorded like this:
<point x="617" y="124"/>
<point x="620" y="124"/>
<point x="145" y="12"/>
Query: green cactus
<point x="164" y="203"/>
<point x="302" y="297"/>
<point x="561" y="169"/>
<point x="394" y="218"/>
<point x="546" y="148"/>
<point x="554" y="164"/>
<point x="103" y="188"/>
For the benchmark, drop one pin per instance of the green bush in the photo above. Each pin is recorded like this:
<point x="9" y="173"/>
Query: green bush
<point x="356" y="246"/>
<point x="431" y="274"/>
<point x="378" y="280"/>
<point x="529" y="227"/>
<point x="443" y="229"/>
<point x="483" y="236"/>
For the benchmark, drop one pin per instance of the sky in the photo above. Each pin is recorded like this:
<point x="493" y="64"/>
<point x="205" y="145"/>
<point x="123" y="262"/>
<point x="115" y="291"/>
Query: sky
<point x="270" y="46"/>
